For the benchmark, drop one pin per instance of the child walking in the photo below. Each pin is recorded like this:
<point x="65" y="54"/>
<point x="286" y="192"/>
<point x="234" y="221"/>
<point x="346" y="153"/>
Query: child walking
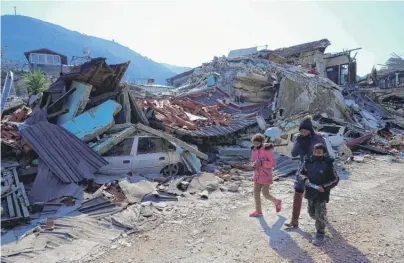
<point x="263" y="161"/>
<point x="319" y="177"/>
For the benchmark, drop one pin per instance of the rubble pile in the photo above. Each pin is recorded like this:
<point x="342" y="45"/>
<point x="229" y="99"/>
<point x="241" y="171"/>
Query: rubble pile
<point x="87" y="150"/>
<point x="107" y="152"/>
<point x="257" y="80"/>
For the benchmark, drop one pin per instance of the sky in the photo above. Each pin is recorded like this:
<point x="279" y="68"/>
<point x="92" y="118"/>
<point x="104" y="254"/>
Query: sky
<point x="189" y="33"/>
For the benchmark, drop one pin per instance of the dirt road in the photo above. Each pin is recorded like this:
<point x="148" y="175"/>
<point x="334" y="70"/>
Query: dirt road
<point x="365" y="214"/>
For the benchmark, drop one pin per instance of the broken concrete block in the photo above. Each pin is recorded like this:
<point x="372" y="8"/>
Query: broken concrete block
<point x="206" y="181"/>
<point x="204" y="194"/>
<point x="344" y="152"/>
<point x="93" y="122"/>
<point x="359" y="159"/>
<point x="233" y="187"/>
<point x="135" y="192"/>
<point x="76" y="102"/>
<point x="309" y="97"/>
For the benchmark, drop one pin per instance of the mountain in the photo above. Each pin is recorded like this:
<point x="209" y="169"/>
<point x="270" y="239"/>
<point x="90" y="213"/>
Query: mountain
<point x="22" y="33"/>
<point x="176" y="69"/>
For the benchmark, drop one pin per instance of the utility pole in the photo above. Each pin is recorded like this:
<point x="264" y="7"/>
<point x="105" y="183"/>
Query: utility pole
<point x="15" y="10"/>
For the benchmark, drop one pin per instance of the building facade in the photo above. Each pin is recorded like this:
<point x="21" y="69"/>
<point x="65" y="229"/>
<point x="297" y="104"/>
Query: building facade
<point x="47" y="61"/>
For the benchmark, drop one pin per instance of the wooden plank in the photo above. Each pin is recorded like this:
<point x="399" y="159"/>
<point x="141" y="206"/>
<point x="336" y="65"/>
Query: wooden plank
<point x="17" y="205"/>
<point x="168" y="137"/>
<point x="15" y="174"/>
<point x="10" y="206"/>
<point x="97" y="69"/>
<point x="24" y="208"/>
<point x="58" y="113"/>
<point x="76" y="102"/>
<point x="93" y="122"/>
<point x="24" y="194"/>
<point x="137" y="111"/>
<point x="61" y="98"/>
<point x="124" y="116"/>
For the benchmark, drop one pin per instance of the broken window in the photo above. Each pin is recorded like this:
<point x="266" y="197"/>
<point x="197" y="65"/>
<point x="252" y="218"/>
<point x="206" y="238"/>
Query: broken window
<point x="332" y="73"/>
<point x="344" y="72"/>
<point x="121" y="149"/>
<point x="150" y="145"/>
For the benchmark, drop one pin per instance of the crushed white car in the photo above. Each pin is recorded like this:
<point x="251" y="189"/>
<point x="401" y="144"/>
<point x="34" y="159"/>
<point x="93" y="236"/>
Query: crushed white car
<point x="144" y="155"/>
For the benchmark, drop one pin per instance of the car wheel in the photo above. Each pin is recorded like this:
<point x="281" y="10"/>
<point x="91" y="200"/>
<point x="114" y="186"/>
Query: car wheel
<point x="171" y="170"/>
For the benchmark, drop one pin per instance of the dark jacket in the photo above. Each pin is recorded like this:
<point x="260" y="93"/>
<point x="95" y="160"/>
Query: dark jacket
<point x="319" y="172"/>
<point x="303" y="145"/>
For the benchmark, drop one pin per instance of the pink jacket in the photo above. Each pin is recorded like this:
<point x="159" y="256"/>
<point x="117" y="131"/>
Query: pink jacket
<point x="263" y="173"/>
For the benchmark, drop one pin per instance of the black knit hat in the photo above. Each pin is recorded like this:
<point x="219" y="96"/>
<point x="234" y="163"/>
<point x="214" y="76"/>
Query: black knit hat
<point x="306" y="124"/>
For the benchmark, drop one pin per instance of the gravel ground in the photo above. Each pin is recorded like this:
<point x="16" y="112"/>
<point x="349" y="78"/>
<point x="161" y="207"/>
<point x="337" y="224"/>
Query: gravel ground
<point x="365" y="214"/>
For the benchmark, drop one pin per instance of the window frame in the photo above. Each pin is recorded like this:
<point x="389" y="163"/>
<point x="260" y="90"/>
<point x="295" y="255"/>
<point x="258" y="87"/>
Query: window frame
<point x="45" y="57"/>
<point x="158" y="148"/>
<point x="113" y="151"/>
<point x="340" y="80"/>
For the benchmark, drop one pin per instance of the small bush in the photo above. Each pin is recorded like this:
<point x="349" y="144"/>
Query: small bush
<point x="35" y="82"/>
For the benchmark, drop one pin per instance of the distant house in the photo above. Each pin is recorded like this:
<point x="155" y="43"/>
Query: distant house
<point x="47" y="61"/>
<point x="341" y="67"/>
<point x="338" y="67"/>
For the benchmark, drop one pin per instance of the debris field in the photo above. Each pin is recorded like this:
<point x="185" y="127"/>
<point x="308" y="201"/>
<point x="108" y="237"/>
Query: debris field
<point x="96" y="158"/>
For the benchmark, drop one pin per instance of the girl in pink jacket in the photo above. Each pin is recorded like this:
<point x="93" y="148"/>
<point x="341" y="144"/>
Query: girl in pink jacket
<point x="263" y="161"/>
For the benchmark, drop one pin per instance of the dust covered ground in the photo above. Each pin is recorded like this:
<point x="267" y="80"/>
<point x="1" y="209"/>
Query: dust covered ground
<point x="365" y="214"/>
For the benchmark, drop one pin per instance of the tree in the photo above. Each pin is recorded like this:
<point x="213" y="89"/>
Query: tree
<point x="35" y="82"/>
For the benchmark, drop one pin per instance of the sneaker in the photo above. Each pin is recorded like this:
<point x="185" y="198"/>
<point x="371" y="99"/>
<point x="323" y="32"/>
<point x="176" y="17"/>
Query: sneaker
<point x="318" y="240"/>
<point x="256" y="214"/>
<point x="278" y="205"/>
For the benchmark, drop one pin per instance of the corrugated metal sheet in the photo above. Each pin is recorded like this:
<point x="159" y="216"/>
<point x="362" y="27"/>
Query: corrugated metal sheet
<point x="37" y="115"/>
<point x="47" y="186"/>
<point x="68" y="157"/>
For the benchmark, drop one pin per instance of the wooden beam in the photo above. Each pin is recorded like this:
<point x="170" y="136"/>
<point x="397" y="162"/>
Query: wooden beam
<point x="61" y="98"/>
<point x="95" y="72"/>
<point x="168" y="137"/>
<point x="58" y="113"/>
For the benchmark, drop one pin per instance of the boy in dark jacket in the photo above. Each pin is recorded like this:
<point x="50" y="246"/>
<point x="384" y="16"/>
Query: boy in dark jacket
<point x="319" y="177"/>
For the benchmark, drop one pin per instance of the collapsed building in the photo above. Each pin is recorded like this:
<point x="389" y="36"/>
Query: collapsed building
<point x="99" y="149"/>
